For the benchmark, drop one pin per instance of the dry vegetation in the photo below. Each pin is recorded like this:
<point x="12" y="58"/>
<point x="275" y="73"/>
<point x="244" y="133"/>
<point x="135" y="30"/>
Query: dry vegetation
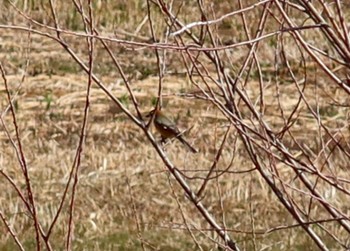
<point x="126" y="196"/>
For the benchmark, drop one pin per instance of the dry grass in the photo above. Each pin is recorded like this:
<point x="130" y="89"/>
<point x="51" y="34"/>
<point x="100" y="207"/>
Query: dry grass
<point x="125" y="193"/>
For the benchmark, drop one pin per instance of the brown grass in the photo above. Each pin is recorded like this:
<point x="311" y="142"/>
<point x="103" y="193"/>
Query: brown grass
<point x="126" y="198"/>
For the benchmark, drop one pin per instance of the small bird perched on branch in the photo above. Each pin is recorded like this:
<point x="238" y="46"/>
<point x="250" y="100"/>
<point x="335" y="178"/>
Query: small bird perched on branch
<point x="167" y="128"/>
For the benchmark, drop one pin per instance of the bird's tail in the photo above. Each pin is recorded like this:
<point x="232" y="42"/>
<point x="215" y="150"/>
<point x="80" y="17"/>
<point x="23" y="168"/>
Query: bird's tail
<point x="183" y="141"/>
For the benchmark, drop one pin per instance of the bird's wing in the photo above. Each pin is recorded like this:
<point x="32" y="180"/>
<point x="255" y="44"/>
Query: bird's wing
<point x="169" y="124"/>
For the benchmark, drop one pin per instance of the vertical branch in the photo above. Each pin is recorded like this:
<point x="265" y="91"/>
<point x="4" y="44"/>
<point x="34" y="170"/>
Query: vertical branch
<point x="23" y="162"/>
<point x="159" y="62"/>
<point x="255" y="57"/>
<point x="90" y="42"/>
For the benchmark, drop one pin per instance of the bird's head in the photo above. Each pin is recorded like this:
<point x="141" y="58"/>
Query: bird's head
<point x="154" y="111"/>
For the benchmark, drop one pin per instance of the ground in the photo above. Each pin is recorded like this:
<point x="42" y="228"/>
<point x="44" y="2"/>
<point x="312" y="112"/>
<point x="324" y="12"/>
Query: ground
<point x="126" y="199"/>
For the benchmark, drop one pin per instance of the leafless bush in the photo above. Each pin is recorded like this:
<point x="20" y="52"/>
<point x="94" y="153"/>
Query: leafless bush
<point x="278" y="73"/>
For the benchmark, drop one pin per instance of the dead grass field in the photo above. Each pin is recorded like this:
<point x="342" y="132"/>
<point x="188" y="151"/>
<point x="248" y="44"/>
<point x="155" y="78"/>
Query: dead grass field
<point x="126" y="198"/>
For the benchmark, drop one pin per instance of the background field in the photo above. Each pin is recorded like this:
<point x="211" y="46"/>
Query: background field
<point x="126" y="198"/>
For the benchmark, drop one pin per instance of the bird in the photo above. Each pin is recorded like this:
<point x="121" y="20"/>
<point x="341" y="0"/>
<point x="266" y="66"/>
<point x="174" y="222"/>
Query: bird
<point x="167" y="128"/>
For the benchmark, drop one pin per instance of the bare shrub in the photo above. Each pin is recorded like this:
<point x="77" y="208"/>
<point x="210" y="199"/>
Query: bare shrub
<point x="262" y="85"/>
